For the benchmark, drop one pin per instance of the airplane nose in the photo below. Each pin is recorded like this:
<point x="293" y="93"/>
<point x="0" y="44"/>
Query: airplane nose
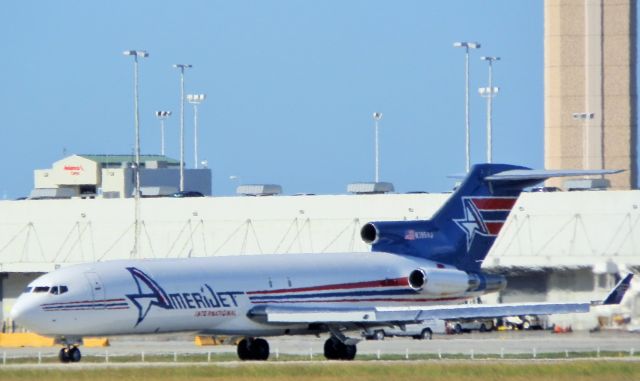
<point x="22" y="312"/>
<point x="17" y="310"/>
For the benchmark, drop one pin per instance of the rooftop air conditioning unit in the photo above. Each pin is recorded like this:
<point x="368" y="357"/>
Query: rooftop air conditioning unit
<point x="259" y="189"/>
<point x="370" y="188"/>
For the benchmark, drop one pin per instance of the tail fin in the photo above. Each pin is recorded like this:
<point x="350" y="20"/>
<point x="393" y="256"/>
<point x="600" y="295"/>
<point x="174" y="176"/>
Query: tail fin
<point x="616" y="295"/>
<point x="463" y="230"/>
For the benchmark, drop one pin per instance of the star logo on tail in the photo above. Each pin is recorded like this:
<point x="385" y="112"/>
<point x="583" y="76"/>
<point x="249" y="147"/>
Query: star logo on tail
<point x="472" y="222"/>
<point x="149" y="294"/>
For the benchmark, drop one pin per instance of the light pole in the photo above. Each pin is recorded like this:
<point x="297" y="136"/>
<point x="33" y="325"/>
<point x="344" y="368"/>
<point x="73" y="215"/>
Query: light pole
<point x="182" y="67"/>
<point x="489" y="92"/>
<point x="135" y="54"/>
<point x="162" y="115"/>
<point x="376" y="117"/>
<point x="195" y="100"/>
<point x="467" y="45"/>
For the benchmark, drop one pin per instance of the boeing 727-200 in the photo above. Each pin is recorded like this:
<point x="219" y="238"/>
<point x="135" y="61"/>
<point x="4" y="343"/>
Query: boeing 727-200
<point x="417" y="270"/>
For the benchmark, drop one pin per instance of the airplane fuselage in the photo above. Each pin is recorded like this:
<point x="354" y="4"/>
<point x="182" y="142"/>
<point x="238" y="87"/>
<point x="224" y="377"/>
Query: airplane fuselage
<point x="214" y="295"/>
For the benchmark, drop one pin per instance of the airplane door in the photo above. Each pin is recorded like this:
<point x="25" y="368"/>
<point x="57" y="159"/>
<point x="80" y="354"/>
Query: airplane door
<point x="97" y="289"/>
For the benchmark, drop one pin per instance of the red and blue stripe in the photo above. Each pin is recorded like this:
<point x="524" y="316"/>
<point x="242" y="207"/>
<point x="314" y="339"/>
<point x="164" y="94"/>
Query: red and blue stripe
<point x="494" y="211"/>
<point x="380" y="291"/>
<point x="104" y="304"/>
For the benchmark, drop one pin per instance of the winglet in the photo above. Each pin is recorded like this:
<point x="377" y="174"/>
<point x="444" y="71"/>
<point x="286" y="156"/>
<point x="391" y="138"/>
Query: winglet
<point x="616" y="295"/>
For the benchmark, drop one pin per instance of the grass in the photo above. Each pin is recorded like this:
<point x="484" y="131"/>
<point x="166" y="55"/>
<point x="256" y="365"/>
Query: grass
<point x="572" y="370"/>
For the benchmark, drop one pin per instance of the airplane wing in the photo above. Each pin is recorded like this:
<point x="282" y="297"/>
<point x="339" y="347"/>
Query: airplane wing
<point x="382" y="315"/>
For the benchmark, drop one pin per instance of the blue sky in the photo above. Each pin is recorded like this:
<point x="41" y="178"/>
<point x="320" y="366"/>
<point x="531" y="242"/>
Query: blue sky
<point x="291" y="86"/>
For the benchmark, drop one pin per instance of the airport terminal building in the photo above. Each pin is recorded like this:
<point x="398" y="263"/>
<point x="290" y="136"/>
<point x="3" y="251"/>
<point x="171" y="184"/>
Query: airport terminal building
<point x="113" y="176"/>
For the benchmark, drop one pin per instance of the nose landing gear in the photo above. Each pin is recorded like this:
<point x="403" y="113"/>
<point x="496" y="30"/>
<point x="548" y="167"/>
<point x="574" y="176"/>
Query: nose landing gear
<point x="70" y="353"/>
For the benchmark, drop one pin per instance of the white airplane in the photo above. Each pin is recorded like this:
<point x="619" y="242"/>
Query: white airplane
<point x="417" y="270"/>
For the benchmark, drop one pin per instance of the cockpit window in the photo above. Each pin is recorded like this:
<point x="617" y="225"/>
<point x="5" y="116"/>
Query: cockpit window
<point x="55" y="290"/>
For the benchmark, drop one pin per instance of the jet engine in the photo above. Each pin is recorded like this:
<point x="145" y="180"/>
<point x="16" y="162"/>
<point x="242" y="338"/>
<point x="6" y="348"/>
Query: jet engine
<point x="395" y="232"/>
<point x="439" y="281"/>
<point x="391" y="235"/>
<point x="452" y="281"/>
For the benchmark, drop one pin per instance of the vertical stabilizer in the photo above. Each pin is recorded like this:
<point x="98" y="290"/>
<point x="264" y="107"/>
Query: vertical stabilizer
<point x="463" y="230"/>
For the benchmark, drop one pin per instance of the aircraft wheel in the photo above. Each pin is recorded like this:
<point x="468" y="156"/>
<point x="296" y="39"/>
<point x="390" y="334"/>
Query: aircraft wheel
<point x="349" y="352"/>
<point x="253" y="349"/>
<point x="331" y="348"/>
<point x="74" y="354"/>
<point x="260" y="349"/>
<point x="63" y="355"/>
<point x="334" y="349"/>
<point x="244" y="352"/>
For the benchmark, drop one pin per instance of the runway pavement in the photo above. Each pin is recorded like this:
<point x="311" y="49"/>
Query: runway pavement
<point x="479" y="343"/>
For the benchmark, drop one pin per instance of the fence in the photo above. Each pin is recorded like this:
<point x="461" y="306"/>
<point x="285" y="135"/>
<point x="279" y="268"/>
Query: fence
<point x="13" y="357"/>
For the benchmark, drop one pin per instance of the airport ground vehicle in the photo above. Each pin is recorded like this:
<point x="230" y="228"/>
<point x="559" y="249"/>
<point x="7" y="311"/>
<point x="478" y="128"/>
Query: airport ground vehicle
<point x="460" y="326"/>
<point x="420" y="331"/>
<point x="522" y="322"/>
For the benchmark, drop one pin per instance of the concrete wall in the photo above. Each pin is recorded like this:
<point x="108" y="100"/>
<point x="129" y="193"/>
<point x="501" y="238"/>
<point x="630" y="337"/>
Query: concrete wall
<point x="568" y="229"/>
<point x="43" y="178"/>
<point x="39" y="235"/>
<point x="117" y="182"/>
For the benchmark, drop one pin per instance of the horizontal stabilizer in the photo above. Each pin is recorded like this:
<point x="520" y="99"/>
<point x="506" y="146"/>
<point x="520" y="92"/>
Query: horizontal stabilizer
<point x="542" y="174"/>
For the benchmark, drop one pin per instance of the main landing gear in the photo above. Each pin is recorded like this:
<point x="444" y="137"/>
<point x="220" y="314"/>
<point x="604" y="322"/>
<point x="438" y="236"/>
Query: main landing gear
<point x="70" y="353"/>
<point x="253" y="349"/>
<point x="335" y="349"/>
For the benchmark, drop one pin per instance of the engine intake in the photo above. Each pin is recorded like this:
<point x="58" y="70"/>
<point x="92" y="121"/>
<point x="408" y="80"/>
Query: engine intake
<point x="369" y="234"/>
<point x="417" y="279"/>
<point x="396" y="232"/>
